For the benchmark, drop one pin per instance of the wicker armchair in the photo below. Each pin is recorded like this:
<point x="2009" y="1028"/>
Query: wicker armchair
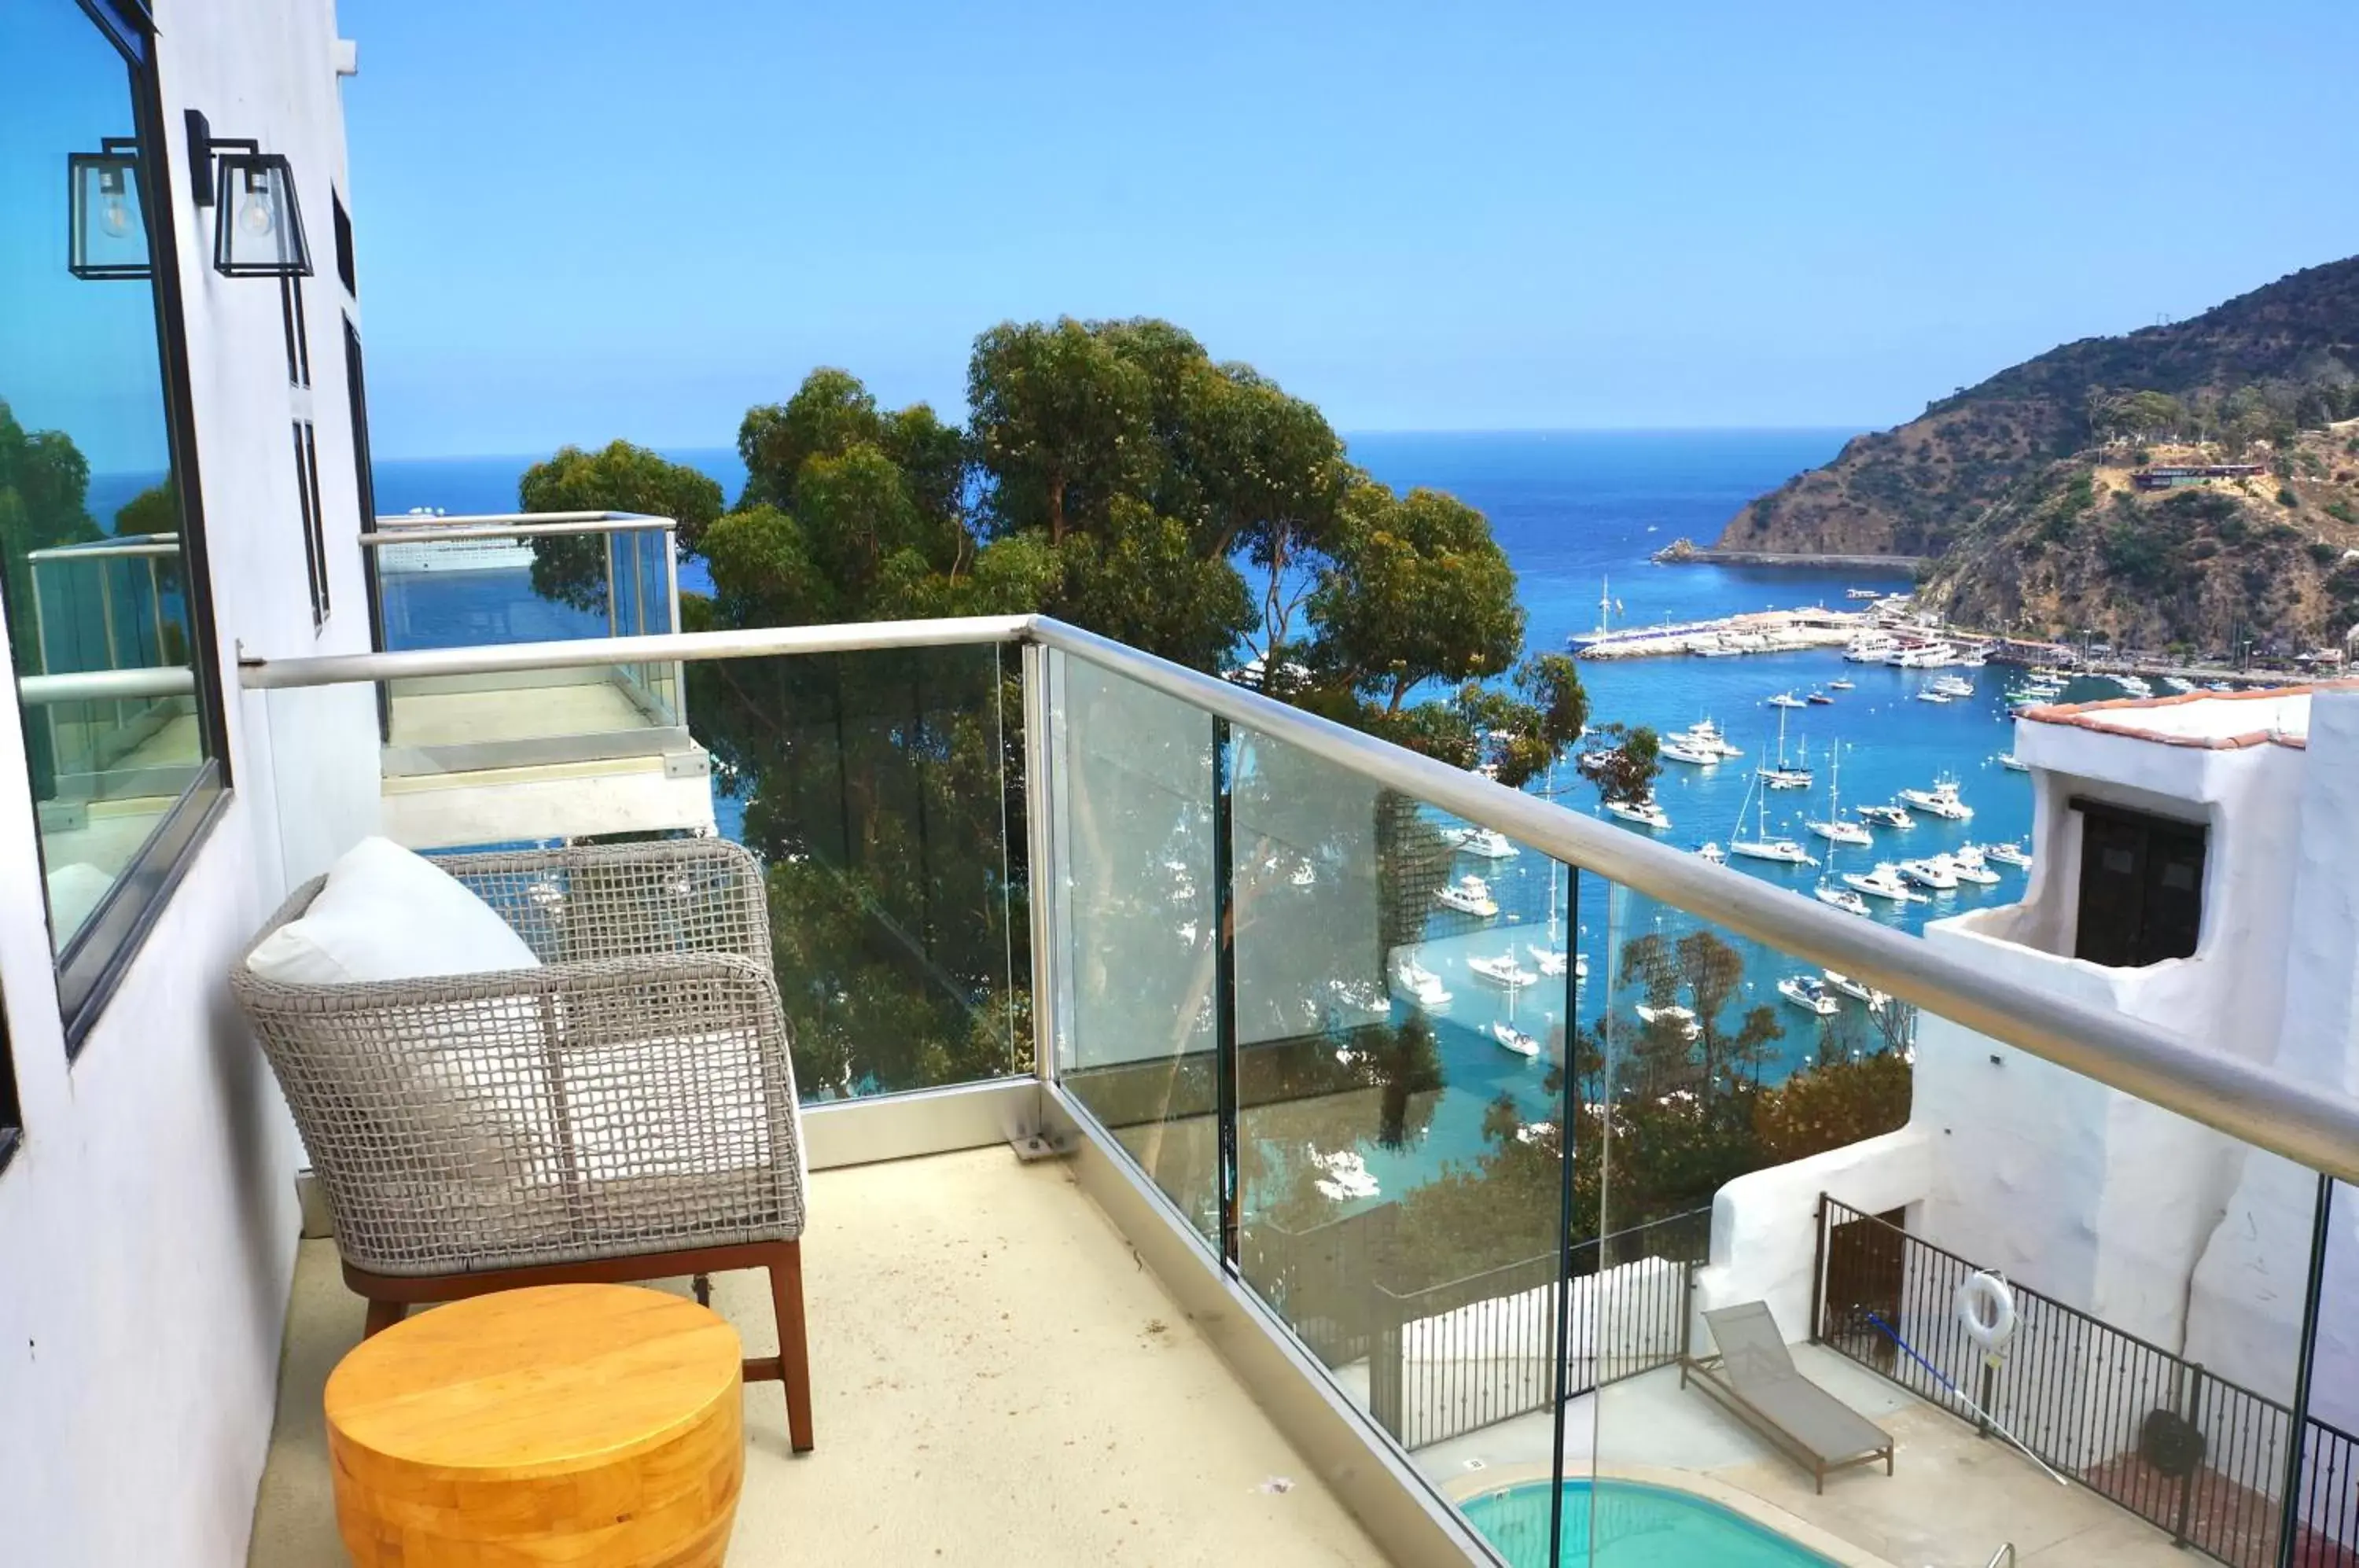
<point x="626" y="1112"/>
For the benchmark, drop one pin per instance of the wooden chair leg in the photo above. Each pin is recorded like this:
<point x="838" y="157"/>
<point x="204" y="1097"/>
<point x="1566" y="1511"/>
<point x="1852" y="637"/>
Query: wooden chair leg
<point x="785" y="1269"/>
<point x="382" y="1315"/>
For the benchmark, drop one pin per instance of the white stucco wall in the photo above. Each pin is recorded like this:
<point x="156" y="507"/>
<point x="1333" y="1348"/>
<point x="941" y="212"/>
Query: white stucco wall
<point x="147" y="1224"/>
<point x="2245" y="1302"/>
<point x="1764" y="1226"/>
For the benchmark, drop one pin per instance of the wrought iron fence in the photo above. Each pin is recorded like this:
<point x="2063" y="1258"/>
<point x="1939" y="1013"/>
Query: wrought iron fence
<point x="2181" y="1448"/>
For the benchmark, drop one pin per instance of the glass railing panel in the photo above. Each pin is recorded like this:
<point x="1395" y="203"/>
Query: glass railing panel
<point x="880" y="791"/>
<point x="1941" y="1293"/>
<point x="1131" y="820"/>
<point x="1403" y="984"/>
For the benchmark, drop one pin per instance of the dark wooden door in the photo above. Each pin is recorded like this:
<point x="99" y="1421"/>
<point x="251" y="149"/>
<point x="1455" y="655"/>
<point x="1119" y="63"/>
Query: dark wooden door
<point x="2141" y="888"/>
<point x="1866" y="1265"/>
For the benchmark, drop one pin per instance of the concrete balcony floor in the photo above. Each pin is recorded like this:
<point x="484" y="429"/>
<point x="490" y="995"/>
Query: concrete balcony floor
<point x="997" y="1380"/>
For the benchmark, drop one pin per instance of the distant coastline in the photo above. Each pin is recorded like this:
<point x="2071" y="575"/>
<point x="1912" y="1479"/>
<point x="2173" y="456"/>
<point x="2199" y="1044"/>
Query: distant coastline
<point x="1687" y="552"/>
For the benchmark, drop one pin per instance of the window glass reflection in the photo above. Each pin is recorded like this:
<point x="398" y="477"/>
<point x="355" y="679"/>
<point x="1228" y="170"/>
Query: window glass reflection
<point x="91" y="561"/>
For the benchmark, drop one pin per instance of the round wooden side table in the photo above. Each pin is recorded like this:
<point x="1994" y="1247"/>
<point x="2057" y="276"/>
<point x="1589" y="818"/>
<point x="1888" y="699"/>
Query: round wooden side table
<point x="598" y="1426"/>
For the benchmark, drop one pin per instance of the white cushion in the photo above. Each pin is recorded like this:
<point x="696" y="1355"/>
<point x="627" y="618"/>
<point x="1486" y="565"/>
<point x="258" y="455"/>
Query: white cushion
<point x="388" y="914"/>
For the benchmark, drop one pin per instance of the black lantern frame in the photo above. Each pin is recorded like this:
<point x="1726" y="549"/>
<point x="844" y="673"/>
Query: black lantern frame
<point x="257" y="219"/>
<point x="111" y="175"/>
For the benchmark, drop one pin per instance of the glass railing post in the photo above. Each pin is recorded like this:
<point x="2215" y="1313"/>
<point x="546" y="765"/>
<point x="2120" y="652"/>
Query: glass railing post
<point x="1224" y="984"/>
<point x="1042" y="870"/>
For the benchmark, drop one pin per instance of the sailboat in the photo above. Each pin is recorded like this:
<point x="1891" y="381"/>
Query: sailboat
<point x="1509" y="1037"/>
<point x="1779" y="776"/>
<point x="1761" y="846"/>
<point x="1552" y="958"/>
<point x="1836" y="829"/>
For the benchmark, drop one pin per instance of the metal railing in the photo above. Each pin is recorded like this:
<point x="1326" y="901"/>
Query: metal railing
<point x="2266" y="1108"/>
<point x="2180" y="1447"/>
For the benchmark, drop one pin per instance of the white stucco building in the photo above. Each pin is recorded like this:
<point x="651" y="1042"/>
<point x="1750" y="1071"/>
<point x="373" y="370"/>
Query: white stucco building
<point x="2224" y="825"/>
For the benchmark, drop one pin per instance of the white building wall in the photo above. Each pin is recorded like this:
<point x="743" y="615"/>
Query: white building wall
<point x="147" y="1224"/>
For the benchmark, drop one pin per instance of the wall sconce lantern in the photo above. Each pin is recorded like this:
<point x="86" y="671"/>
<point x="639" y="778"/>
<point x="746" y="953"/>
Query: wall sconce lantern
<point x="258" y="224"/>
<point x="108" y="236"/>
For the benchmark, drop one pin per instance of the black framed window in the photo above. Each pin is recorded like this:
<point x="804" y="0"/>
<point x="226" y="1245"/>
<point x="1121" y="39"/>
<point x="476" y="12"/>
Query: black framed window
<point x="102" y="556"/>
<point x="344" y="243"/>
<point x="307" y="488"/>
<point x="363" y="476"/>
<point x="2141" y="887"/>
<point x="298" y="335"/>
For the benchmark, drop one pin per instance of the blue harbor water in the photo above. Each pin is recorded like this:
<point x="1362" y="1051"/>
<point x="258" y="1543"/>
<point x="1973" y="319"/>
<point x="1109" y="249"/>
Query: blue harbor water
<point x="1579" y="513"/>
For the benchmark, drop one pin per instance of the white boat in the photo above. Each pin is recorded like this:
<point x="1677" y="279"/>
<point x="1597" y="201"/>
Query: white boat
<point x="1515" y="1039"/>
<point x="1761" y="846"/>
<point x="2011" y="763"/>
<point x="1647" y="813"/>
<point x="1712" y="853"/>
<point x="2013" y="855"/>
<point x="1470" y="894"/>
<point x="1884" y="882"/>
<point x="1886" y="816"/>
<point x="1930" y="696"/>
<point x="1839" y="685"/>
<point x="1786" y="700"/>
<point x="1953" y="686"/>
<point x="1683" y="1017"/>
<point x="1853" y="989"/>
<point x="1552" y="961"/>
<point x="1806" y="992"/>
<point x="1679" y="751"/>
<point x="1706" y="736"/>
<point x="1966" y="862"/>
<point x="1502" y="971"/>
<point x="1837" y="829"/>
<point x="1488" y="843"/>
<point x="1937" y="872"/>
<point x="1869" y="647"/>
<point x="1941" y="800"/>
<point x="1422" y="985"/>
<point x="1778" y="775"/>
<point x="1926" y="656"/>
<point x="1842" y="899"/>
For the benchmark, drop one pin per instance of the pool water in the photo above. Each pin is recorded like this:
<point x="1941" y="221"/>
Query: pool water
<point x="1630" y="1525"/>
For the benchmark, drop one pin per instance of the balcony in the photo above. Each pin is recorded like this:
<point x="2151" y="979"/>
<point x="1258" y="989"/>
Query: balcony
<point x="533" y="749"/>
<point x="1297" y="1259"/>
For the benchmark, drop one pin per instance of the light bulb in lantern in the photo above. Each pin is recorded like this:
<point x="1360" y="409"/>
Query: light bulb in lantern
<point x="114" y="216"/>
<point x="253" y="214"/>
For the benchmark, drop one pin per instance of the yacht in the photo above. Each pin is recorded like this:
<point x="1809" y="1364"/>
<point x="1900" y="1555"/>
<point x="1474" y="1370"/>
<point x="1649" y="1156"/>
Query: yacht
<point x="1502" y="971"/>
<point x="1926" y="656"/>
<point x="1941" y="800"/>
<point x="1786" y="700"/>
<point x="2013" y="855"/>
<point x="1470" y="894"/>
<point x="1836" y="829"/>
<point x="1806" y="992"/>
<point x="1552" y="961"/>
<point x="1680" y="751"/>
<point x="1886" y="816"/>
<point x="1712" y="853"/>
<point x="1818" y="700"/>
<point x="1840" y="685"/>
<point x="1778" y="775"/>
<point x="1930" y="696"/>
<point x="1516" y="1040"/>
<point x="1647" y="813"/>
<point x="1853" y="989"/>
<point x="1953" y="686"/>
<point x="1422" y="984"/>
<point x="1674" y="1014"/>
<point x="1884" y="882"/>
<point x="1937" y="872"/>
<point x="1343" y="1177"/>
<point x="1706" y="736"/>
<point x="1869" y="647"/>
<point x="2011" y="763"/>
<point x="1761" y="846"/>
<point x="1842" y="899"/>
<point x="1967" y="863"/>
<point x="1486" y="843"/>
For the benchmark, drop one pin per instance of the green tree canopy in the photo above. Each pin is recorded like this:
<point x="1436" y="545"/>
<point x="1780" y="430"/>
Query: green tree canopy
<point x="1418" y="591"/>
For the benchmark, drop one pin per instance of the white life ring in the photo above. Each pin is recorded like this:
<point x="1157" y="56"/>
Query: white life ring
<point x="1986" y="1310"/>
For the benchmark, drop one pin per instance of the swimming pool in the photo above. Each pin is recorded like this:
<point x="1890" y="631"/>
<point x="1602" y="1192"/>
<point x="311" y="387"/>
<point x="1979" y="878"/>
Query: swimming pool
<point x="1633" y="1526"/>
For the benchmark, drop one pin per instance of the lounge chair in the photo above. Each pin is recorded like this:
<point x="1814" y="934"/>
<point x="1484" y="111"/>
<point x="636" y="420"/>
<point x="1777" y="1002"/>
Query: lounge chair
<point x="1755" y="1376"/>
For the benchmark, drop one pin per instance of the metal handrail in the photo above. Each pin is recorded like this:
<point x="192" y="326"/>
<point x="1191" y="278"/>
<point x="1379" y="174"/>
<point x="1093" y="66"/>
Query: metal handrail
<point x="511" y="526"/>
<point x="2257" y="1104"/>
<point x="2003" y="1555"/>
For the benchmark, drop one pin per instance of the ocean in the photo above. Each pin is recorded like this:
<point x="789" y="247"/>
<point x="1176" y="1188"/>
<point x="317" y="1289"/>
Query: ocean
<point x="1579" y="513"/>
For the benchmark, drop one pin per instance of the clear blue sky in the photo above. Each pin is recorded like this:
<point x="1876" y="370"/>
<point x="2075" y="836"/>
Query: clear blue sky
<point x="581" y="219"/>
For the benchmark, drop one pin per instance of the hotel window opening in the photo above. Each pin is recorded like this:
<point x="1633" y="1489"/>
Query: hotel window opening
<point x="2141" y="887"/>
